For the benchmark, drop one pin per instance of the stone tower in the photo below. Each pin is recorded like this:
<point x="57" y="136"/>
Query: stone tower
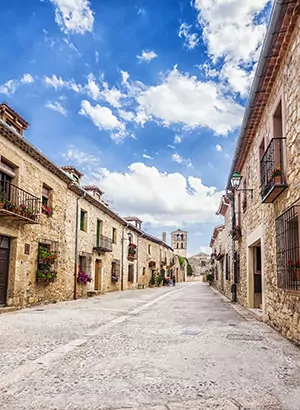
<point x="179" y="242"/>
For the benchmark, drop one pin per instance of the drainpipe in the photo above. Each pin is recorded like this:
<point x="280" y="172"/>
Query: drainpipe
<point x="122" y="260"/>
<point x="76" y="244"/>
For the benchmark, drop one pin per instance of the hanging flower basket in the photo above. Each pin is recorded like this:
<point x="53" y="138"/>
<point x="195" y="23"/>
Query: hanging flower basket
<point x="83" y="278"/>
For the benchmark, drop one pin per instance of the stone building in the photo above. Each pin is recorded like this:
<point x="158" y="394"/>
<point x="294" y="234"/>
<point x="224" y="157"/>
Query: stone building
<point x="200" y="265"/>
<point x="59" y="240"/>
<point x="265" y="226"/>
<point x="179" y="242"/>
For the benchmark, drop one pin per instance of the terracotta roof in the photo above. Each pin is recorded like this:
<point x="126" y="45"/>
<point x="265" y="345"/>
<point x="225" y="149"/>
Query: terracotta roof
<point x="179" y="230"/>
<point x="214" y="235"/>
<point x="282" y="23"/>
<point x="223" y="206"/>
<point x="5" y="107"/>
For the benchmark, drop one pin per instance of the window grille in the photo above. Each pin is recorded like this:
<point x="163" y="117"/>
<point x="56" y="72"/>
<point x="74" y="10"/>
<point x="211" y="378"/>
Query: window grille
<point x="287" y="247"/>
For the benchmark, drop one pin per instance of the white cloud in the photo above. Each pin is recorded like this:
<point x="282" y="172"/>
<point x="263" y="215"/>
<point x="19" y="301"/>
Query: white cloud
<point x="171" y="146"/>
<point x="147" y="56"/>
<point x="80" y="157"/>
<point x="219" y="148"/>
<point x="177" y="158"/>
<point x="180" y="160"/>
<point x="182" y="99"/>
<point x="56" y="106"/>
<point x="58" y="83"/>
<point x="104" y="119"/>
<point x="177" y="139"/>
<point x="125" y="77"/>
<point x="159" y="198"/>
<point x="73" y="15"/>
<point x="141" y="12"/>
<point x="232" y="31"/>
<point x="9" y="87"/>
<point x="238" y="79"/>
<point x="147" y="156"/>
<point x="229" y="26"/>
<point x="27" y="79"/>
<point x="97" y="56"/>
<point x="191" y="40"/>
<point x="126" y="115"/>
<point x="103" y="92"/>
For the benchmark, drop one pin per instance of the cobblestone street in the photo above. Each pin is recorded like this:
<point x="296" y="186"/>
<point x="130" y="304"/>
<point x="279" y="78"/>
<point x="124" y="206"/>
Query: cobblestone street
<point x="162" y="348"/>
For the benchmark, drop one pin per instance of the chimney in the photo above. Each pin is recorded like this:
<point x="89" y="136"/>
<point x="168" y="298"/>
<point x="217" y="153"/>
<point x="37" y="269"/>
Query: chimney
<point x="12" y="118"/>
<point x="73" y="173"/>
<point x="164" y="237"/>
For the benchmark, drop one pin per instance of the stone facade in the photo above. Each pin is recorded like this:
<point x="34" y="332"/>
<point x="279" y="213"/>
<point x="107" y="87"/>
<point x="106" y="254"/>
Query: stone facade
<point x="200" y="265"/>
<point x="104" y="238"/>
<point x="179" y="242"/>
<point x="267" y="258"/>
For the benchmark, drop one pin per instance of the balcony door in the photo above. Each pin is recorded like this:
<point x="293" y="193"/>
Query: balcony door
<point x="4" y="265"/>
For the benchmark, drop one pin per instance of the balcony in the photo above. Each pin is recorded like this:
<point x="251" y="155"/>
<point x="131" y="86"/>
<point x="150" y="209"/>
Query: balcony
<point x="17" y="204"/>
<point x="103" y="244"/>
<point x="272" y="176"/>
<point x="132" y="253"/>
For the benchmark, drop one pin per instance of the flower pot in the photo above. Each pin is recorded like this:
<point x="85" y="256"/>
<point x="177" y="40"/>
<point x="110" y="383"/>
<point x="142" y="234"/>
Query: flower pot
<point x="277" y="180"/>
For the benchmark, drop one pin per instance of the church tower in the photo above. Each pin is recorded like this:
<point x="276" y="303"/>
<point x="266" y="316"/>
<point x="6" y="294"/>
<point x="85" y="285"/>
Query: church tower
<point x="179" y="242"/>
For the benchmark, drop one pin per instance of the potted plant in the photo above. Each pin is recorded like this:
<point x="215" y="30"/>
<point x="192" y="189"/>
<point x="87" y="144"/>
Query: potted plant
<point x="45" y="275"/>
<point x="210" y="278"/>
<point x="152" y="281"/>
<point x="83" y="278"/>
<point x="46" y="210"/>
<point x="276" y="176"/>
<point x="3" y="199"/>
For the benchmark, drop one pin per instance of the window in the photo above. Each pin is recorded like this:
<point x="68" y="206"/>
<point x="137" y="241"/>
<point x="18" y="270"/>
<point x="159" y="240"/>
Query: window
<point x="287" y="249"/>
<point x="46" y="195"/>
<point x="98" y="232"/>
<point x="203" y="263"/>
<point x="144" y="271"/>
<point x="277" y="122"/>
<point x="115" y="270"/>
<point x="182" y="246"/>
<point x="82" y="264"/>
<point x="149" y="249"/>
<point x="130" y="273"/>
<point x="177" y="246"/>
<point x="236" y="267"/>
<point x="114" y="235"/>
<point x="83" y="220"/>
<point x="227" y="266"/>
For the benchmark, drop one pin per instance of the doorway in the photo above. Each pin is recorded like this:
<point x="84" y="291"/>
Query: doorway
<point x="255" y="276"/>
<point x="4" y="265"/>
<point x="98" y="274"/>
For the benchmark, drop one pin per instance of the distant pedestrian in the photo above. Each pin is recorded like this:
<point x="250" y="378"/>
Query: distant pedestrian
<point x="168" y="281"/>
<point x="174" y="280"/>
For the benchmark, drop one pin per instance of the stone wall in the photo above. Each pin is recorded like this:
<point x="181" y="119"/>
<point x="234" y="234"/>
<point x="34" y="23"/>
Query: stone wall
<point x="22" y="287"/>
<point x="59" y="231"/>
<point x="281" y="308"/>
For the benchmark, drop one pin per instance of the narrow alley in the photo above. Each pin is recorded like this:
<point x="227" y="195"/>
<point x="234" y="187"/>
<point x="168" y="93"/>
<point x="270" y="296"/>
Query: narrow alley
<point x="182" y="347"/>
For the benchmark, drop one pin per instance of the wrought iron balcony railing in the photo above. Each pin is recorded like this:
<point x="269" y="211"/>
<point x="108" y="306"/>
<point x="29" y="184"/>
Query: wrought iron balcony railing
<point x="18" y="204"/>
<point x="272" y="174"/>
<point x="103" y="244"/>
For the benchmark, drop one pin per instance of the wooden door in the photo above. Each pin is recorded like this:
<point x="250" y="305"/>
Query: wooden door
<point x="98" y="273"/>
<point x="4" y="263"/>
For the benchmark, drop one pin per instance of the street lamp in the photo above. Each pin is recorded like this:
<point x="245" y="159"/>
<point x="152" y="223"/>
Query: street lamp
<point x="236" y="181"/>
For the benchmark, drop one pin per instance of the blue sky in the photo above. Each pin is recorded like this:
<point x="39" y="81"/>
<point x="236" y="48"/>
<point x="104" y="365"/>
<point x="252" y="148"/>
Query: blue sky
<point x="145" y="97"/>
